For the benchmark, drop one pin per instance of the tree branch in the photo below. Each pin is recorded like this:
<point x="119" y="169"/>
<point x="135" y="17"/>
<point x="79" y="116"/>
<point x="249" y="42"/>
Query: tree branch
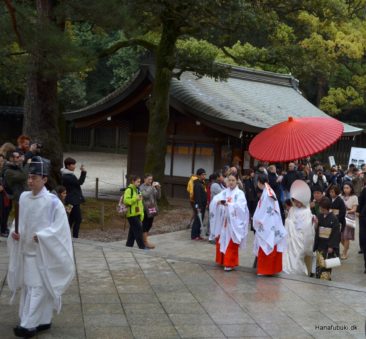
<point x="12" y="13"/>
<point x="14" y="54"/>
<point x="127" y="43"/>
<point x="228" y="54"/>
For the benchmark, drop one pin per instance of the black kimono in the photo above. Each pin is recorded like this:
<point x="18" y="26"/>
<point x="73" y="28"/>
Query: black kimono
<point x="339" y="205"/>
<point x="362" y="235"/>
<point x="327" y="235"/>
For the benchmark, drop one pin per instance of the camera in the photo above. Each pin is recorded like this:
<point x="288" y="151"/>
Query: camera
<point x="37" y="147"/>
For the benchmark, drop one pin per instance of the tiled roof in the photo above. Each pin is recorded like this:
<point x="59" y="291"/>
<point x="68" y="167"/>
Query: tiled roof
<point x="249" y="100"/>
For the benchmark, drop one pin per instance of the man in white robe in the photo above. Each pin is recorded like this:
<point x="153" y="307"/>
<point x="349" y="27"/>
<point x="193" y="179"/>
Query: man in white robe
<point x="301" y="231"/>
<point x="41" y="261"/>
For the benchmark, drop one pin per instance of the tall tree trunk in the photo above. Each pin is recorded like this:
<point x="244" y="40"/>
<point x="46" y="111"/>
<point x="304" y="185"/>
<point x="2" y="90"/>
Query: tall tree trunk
<point x="321" y="90"/>
<point x="159" y="104"/>
<point x="41" y="115"/>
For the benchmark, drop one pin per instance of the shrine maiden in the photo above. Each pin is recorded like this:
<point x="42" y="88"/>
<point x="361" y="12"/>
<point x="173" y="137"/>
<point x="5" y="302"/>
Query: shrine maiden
<point x="229" y="220"/>
<point x="270" y="235"/>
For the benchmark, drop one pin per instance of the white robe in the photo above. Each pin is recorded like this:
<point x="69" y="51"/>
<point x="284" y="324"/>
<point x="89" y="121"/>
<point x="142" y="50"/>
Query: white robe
<point x="300" y="240"/>
<point x="43" y="271"/>
<point x="229" y="222"/>
<point x="268" y="225"/>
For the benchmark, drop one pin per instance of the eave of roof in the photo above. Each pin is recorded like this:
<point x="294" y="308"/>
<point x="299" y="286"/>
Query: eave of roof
<point x="111" y="99"/>
<point x="249" y="100"/>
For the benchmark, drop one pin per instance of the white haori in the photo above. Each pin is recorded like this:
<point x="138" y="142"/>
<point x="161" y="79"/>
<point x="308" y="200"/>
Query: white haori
<point x="268" y="225"/>
<point x="229" y="222"/>
<point x="46" y="266"/>
<point x="300" y="240"/>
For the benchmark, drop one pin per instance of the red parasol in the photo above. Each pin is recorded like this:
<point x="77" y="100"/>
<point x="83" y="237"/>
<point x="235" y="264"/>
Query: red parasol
<point x="295" y="138"/>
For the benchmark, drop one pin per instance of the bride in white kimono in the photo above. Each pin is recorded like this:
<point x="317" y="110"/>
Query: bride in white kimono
<point x="301" y="231"/>
<point x="229" y="220"/>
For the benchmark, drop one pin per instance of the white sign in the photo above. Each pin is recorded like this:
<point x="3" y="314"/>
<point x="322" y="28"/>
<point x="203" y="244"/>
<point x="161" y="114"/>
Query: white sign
<point x="331" y="161"/>
<point x="357" y="156"/>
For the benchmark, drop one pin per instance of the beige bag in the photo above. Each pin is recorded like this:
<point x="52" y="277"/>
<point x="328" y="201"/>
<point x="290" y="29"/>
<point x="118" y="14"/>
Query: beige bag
<point x="350" y="222"/>
<point x="332" y="262"/>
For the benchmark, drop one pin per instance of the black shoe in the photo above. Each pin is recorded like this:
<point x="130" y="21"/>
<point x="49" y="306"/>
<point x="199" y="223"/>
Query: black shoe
<point x="364" y="271"/>
<point x="360" y="252"/>
<point x="20" y="331"/>
<point x="43" y="327"/>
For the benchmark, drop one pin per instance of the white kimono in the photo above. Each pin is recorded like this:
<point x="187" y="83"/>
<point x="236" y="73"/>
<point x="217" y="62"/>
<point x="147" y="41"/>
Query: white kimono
<point x="268" y="225"/>
<point x="300" y="240"/>
<point x="42" y="270"/>
<point x="231" y="221"/>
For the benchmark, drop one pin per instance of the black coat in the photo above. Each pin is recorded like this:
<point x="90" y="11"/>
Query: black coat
<point x="339" y="205"/>
<point x="72" y="184"/>
<point x="272" y="180"/>
<point x="289" y="178"/>
<point x="250" y="190"/>
<point x="361" y="208"/>
<point x="199" y="194"/>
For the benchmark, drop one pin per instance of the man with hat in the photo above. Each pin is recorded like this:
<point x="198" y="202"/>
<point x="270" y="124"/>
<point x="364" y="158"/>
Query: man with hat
<point x="200" y="203"/>
<point x="41" y="260"/>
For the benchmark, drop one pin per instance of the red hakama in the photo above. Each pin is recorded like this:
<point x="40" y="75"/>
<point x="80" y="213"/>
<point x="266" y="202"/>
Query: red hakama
<point x="269" y="264"/>
<point x="231" y="257"/>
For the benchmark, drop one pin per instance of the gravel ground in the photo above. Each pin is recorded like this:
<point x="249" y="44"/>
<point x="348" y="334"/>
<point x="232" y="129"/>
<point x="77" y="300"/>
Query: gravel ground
<point x="174" y="219"/>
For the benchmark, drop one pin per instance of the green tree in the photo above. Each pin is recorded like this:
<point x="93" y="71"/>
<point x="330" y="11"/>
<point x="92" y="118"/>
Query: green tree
<point x="174" y="31"/>
<point x="322" y="43"/>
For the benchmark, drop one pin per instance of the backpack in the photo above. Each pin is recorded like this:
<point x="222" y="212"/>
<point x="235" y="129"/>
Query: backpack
<point x="190" y="187"/>
<point x="121" y="207"/>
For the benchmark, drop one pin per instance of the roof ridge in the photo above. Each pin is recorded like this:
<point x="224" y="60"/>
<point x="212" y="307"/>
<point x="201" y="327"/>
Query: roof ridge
<point x="259" y="75"/>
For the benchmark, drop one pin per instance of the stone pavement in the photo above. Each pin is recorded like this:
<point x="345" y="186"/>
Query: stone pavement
<point x="131" y="293"/>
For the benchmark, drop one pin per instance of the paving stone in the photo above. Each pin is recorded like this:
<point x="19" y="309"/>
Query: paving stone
<point x="183" y="308"/>
<point x="187" y="318"/>
<point x="225" y="318"/>
<point x="148" y="319"/>
<point x="241" y="330"/>
<point x="143" y="308"/>
<point x="179" y="297"/>
<point x="138" y="298"/>
<point x="63" y="332"/>
<point x="100" y="298"/>
<point x="95" y="309"/>
<point x="64" y="320"/>
<point x="123" y="332"/>
<point x="105" y="320"/>
<point x="155" y="331"/>
<point x="202" y="331"/>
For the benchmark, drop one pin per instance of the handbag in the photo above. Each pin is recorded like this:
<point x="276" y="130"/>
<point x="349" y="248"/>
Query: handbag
<point x="332" y="262"/>
<point x="350" y="222"/>
<point x="151" y="211"/>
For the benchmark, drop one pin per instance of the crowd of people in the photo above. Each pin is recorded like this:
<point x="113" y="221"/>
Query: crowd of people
<point x="302" y="215"/>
